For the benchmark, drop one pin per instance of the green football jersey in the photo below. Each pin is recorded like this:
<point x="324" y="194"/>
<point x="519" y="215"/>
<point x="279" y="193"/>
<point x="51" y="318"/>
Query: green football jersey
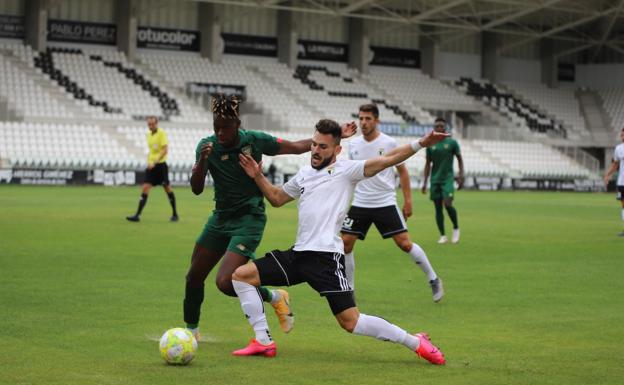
<point x="234" y="190"/>
<point x="442" y="156"/>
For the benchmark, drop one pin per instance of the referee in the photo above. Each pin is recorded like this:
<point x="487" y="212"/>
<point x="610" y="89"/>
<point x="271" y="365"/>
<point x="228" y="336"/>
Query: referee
<point x="157" y="172"/>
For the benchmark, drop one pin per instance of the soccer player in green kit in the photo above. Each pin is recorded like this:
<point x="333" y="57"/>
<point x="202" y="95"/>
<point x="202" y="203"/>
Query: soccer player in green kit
<point x="235" y="228"/>
<point x="442" y="178"/>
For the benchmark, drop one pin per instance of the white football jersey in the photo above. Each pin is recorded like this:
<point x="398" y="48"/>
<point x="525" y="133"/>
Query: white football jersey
<point x="618" y="156"/>
<point x="379" y="190"/>
<point x="324" y="197"/>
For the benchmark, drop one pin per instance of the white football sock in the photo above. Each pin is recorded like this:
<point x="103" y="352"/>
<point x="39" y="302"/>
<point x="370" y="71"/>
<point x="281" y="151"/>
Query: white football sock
<point x="275" y="297"/>
<point x="623" y="214"/>
<point x="350" y="269"/>
<point x="253" y="307"/>
<point x="381" y="329"/>
<point x="419" y="256"/>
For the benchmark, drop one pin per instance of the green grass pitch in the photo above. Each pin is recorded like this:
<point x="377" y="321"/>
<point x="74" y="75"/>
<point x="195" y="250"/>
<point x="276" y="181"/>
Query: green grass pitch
<point x="534" y="294"/>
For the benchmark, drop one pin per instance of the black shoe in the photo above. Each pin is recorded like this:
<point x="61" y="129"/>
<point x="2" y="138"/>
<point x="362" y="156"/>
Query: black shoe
<point x="621" y="234"/>
<point x="174" y="218"/>
<point x="134" y="218"/>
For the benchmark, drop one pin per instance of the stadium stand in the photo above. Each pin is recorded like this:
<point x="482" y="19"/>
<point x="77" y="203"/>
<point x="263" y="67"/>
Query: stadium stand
<point x="613" y="102"/>
<point x="560" y="104"/>
<point x="414" y="87"/>
<point x="518" y="111"/>
<point x="105" y="85"/>
<point x="24" y="95"/>
<point x="41" y="145"/>
<point x="532" y="160"/>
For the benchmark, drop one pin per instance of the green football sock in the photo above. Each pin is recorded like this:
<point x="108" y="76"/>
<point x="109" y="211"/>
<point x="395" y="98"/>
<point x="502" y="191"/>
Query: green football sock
<point x="266" y="294"/>
<point x="193" y="298"/>
<point x="439" y="216"/>
<point x="452" y="213"/>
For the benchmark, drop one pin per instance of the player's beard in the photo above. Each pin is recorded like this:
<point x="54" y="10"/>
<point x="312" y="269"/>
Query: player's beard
<point x="323" y="164"/>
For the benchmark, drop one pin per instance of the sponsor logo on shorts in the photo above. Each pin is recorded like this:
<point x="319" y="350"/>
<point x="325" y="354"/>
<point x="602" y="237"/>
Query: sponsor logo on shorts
<point x="241" y="247"/>
<point x="225" y="157"/>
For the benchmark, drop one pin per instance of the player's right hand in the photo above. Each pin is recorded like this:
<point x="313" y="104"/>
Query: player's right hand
<point x="432" y="138"/>
<point x="424" y="189"/>
<point x="606" y="181"/>
<point x="250" y="166"/>
<point x="206" y="150"/>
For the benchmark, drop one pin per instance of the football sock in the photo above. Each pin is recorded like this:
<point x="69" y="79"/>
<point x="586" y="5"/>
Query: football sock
<point x="267" y="295"/>
<point x="142" y="203"/>
<point x="439" y="216"/>
<point x="275" y="297"/>
<point x="623" y="214"/>
<point x="251" y="303"/>
<point x="350" y="269"/>
<point x="381" y="329"/>
<point x="452" y="213"/>
<point x="173" y="202"/>
<point x="419" y="256"/>
<point x="193" y="298"/>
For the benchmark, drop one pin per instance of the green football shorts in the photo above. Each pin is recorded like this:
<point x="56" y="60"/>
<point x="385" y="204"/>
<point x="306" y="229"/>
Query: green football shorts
<point x="444" y="190"/>
<point x="241" y="234"/>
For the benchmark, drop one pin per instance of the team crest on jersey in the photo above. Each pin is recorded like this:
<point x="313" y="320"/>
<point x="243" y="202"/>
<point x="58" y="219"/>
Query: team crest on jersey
<point x="246" y="150"/>
<point x="330" y="170"/>
<point x="446" y="146"/>
<point x="381" y="151"/>
<point x="225" y="157"/>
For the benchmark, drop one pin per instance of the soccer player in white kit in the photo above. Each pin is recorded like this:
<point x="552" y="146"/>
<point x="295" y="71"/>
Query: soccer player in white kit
<point x="618" y="162"/>
<point x="323" y="190"/>
<point x="375" y="201"/>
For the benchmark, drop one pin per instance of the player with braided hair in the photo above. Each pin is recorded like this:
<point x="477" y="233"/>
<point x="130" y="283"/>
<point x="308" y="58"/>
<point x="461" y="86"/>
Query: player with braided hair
<point x="236" y="225"/>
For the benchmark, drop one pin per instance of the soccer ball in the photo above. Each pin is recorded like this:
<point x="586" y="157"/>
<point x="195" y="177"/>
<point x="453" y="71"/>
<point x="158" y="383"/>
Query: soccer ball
<point x="178" y="346"/>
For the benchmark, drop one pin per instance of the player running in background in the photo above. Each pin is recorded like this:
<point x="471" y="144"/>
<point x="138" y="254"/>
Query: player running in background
<point x="236" y="225"/>
<point x="618" y="162"/>
<point x="375" y="201"/>
<point x="442" y="178"/>
<point x="157" y="172"/>
<point x="324" y="190"/>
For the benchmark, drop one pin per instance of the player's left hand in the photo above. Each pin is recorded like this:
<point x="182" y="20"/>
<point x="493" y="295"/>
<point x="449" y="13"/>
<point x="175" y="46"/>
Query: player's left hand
<point x="250" y="166"/>
<point x="150" y="166"/>
<point x="460" y="181"/>
<point x="348" y="130"/>
<point x="407" y="210"/>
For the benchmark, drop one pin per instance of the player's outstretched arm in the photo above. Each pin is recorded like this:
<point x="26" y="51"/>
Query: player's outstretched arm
<point x="275" y="195"/>
<point x="399" y="154"/>
<point x="200" y="169"/>
<point x="301" y="146"/>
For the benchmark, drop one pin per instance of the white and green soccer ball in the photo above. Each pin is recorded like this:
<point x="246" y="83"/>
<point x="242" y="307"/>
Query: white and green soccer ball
<point x="178" y="346"/>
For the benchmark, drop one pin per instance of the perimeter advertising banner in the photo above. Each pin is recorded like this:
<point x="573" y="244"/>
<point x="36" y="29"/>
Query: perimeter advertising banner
<point x="395" y="57"/>
<point x="167" y="38"/>
<point x="249" y="45"/>
<point x="12" y="26"/>
<point x="322" y="50"/>
<point x="82" y="32"/>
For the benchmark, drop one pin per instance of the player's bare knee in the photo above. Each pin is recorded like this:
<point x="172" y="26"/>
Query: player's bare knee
<point x="348" y="324"/>
<point x="448" y="203"/>
<point x="405" y="245"/>
<point x="243" y="273"/>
